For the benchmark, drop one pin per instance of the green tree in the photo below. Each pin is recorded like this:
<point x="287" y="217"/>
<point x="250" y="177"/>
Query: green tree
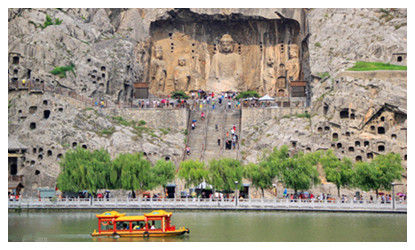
<point x="300" y="171"/>
<point x="275" y="159"/>
<point x="340" y="172"/>
<point x="164" y="172"/>
<point x="132" y="172"/>
<point x="82" y="169"/>
<point x="224" y="172"/>
<point x="179" y="95"/>
<point x="247" y="94"/>
<point x="260" y="175"/>
<point x="379" y="173"/>
<point x="192" y="172"/>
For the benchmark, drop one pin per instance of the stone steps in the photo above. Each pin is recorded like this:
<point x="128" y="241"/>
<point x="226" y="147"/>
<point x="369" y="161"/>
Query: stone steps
<point x="205" y="132"/>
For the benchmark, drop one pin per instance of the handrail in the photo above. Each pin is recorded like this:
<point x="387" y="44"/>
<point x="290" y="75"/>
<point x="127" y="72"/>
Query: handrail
<point x="206" y="203"/>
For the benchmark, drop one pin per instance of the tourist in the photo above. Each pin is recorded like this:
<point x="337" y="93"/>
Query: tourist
<point x="202" y="116"/>
<point x="232" y="131"/>
<point x="229" y="104"/>
<point x="188" y="150"/>
<point x="216" y="127"/>
<point x="227" y="134"/>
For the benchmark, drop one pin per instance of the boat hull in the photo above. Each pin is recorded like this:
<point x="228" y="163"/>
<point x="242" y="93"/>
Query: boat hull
<point x="141" y="233"/>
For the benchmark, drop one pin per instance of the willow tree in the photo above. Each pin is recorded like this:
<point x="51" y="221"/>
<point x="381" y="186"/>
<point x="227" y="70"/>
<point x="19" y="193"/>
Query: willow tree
<point x="300" y="171"/>
<point x="224" y="172"/>
<point x="192" y="172"/>
<point x="275" y="159"/>
<point x="339" y="172"/>
<point x="82" y="169"/>
<point x="260" y="175"/>
<point x="132" y="172"/>
<point x="379" y="173"/>
<point x="164" y="172"/>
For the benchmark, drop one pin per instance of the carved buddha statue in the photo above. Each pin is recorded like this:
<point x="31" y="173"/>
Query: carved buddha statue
<point x="226" y="68"/>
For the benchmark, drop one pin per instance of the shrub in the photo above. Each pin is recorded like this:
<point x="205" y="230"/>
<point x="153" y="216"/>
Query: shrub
<point x="247" y="94"/>
<point x="61" y="71"/>
<point x="372" y="66"/>
<point x="179" y="95"/>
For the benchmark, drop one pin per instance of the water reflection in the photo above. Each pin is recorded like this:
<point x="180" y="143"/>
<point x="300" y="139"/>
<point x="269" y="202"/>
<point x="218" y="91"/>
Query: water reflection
<point x="220" y="226"/>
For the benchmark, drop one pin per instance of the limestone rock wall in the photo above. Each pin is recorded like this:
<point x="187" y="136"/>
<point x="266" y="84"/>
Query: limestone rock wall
<point x="357" y="114"/>
<point x="341" y="36"/>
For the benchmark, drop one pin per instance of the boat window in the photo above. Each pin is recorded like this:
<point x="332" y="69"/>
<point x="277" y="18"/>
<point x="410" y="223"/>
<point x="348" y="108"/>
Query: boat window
<point x="123" y="225"/>
<point x="138" y="225"/>
<point x="106" y="225"/>
<point x="156" y="223"/>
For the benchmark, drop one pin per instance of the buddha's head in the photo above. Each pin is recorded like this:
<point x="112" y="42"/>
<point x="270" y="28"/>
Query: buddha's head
<point x="226" y="43"/>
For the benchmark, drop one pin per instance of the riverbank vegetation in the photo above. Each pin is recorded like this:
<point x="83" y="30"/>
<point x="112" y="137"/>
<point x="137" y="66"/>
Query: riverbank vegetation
<point x="92" y="170"/>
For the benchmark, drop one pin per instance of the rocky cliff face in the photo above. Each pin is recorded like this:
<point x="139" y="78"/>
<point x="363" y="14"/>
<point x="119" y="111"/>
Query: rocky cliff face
<point x="357" y="115"/>
<point x="340" y="37"/>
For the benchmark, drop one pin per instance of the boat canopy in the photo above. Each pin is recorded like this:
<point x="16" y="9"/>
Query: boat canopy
<point x="112" y="214"/>
<point x="158" y="213"/>
<point x="131" y="218"/>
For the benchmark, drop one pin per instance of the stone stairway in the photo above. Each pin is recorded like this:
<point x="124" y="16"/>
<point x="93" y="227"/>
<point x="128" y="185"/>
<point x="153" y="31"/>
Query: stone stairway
<point x="196" y="140"/>
<point x="203" y="140"/>
<point x="231" y="117"/>
<point x="213" y="150"/>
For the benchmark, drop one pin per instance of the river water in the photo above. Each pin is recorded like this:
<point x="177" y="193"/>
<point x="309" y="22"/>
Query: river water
<point x="220" y="226"/>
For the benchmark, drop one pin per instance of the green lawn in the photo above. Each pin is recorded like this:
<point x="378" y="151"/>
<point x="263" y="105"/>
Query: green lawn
<point x="371" y="66"/>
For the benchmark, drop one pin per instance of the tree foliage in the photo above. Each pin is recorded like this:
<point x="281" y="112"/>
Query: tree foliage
<point x="379" y="173"/>
<point x="224" y="172"/>
<point x="192" y="172"/>
<point x="260" y="175"/>
<point x="164" y="172"/>
<point x="340" y="172"/>
<point x="132" y="172"/>
<point x="179" y="95"/>
<point x="247" y="94"/>
<point x="300" y="171"/>
<point x="84" y="170"/>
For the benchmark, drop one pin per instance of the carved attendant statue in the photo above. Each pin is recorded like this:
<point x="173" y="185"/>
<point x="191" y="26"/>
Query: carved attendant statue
<point x="269" y="77"/>
<point x="293" y="64"/>
<point x="181" y="76"/>
<point x="158" y="71"/>
<point x="281" y="76"/>
<point x="226" y="68"/>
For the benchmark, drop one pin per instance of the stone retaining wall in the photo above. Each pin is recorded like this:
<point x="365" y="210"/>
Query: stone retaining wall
<point x="378" y="74"/>
<point x="256" y="116"/>
<point x="156" y="118"/>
